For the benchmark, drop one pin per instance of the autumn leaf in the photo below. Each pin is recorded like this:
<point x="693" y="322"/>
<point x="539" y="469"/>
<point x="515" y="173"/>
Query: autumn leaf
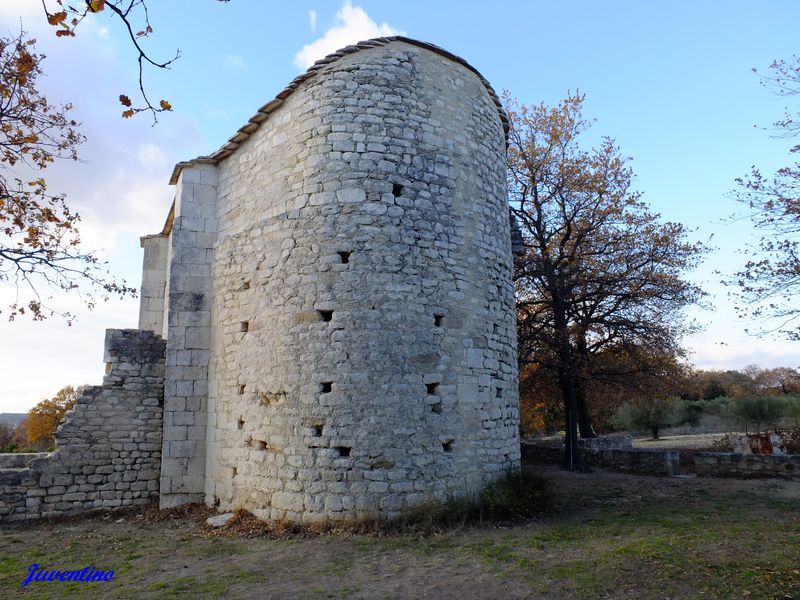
<point x="25" y="63"/>
<point x="57" y="18"/>
<point x="165" y="105"/>
<point x="64" y="33"/>
<point x="96" y="6"/>
<point x="124" y="100"/>
<point x="127" y="114"/>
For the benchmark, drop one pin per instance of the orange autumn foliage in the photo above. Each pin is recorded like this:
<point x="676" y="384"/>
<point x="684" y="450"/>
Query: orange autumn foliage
<point x="44" y="418"/>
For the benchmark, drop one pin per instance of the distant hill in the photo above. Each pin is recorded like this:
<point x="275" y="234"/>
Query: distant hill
<point x="12" y="418"/>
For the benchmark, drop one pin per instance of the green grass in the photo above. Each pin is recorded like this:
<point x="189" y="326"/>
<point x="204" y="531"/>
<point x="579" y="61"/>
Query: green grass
<point x="611" y="537"/>
<point x="722" y="548"/>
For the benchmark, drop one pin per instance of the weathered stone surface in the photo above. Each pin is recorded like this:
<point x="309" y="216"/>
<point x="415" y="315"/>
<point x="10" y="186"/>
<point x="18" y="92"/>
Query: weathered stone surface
<point x="109" y="450"/>
<point x="631" y="460"/>
<point x="747" y="466"/>
<point x="344" y="273"/>
<point x="16" y="460"/>
<point x="220" y="520"/>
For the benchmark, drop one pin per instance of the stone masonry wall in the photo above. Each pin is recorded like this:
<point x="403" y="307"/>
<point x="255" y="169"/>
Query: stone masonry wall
<point x="154" y="279"/>
<point x="747" y="466"/>
<point x="188" y="331"/>
<point x="630" y="460"/>
<point x="363" y="328"/>
<point x="109" y="445"/>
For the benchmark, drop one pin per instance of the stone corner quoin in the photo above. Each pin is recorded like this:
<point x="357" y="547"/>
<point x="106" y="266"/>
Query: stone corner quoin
<point x="335" y="290"/>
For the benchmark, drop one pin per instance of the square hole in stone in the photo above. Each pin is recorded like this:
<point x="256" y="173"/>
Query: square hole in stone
<point x="498" y="392"/>
<point x="235" y="471"/>
<point x="397" y="189"/>
<point x="438" y="320"/>
<point x="344" y="256"/>
<point x="448" y="446"/>
<point x="259" y="444"/>
<point x="240" y="424"/>
<point x="244" y="326"/>
<point x="344" y="451"/>
<point x="316" y="430"/>
<point x="326" y="387"/>
<point x="246" y="285"/>
<point x="495" y="328"/>
<point x="326" y="315"/>
<point x="436" y="408"/>
<point x="430" y="388"/>
<point x="242" y="387"/>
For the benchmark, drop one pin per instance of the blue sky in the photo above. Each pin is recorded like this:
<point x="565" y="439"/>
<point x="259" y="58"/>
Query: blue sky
<point x="670" y="81"/>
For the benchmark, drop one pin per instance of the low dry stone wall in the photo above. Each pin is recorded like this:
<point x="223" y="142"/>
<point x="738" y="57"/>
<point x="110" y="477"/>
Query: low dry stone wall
<point x="109" y="445"/>
<point x="747" y="466"/>
<point x="630" y="460"/>
<point x="19" y="460"/>
<point x="633" y="460"/>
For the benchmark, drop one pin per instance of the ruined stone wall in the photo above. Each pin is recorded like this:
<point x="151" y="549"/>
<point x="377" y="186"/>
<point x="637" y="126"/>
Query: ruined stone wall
<point x="109" y="446"/>
<point x="747" y="466"/>
<point x="363" y="330"/>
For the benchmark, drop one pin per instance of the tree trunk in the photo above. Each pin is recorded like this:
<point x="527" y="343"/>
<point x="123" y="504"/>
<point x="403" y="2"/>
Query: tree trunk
<point x="566" y="378"/>
<point x="655" y="431"/>
<point x="572" y="458"/>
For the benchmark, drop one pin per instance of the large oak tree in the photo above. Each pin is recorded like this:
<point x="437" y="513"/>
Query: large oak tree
<point x="600" y="270"/>
<point x="768" y="286"/>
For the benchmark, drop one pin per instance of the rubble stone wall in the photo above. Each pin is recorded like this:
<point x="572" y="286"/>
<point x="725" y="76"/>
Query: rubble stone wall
<point x="630" y="460"/>
<point x="109" y="445"/>
<point x="363" y="341"/>
<point x="747" y="466"/>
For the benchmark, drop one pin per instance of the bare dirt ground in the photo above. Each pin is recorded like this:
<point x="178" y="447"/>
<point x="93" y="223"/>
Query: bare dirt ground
<point x="610" y="535"/>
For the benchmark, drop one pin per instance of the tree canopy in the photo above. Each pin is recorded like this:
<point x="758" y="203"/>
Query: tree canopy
<point x="39" y="241"/>
<point x="600" y="271"/>
<point x="40" y="247"/>
<point x="768" y="286"/>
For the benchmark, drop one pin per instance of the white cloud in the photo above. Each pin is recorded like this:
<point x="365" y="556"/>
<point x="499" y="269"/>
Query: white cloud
<point x="234" y="62"/>
<point x="29" y="11"/>
<point x="352" y="25"/>
<point x="312" y="20"/>
<point x="150" y="155"/>
<point x="121" y="192"/>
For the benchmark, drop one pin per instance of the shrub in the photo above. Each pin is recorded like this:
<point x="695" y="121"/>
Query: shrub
<point x="792" y="412"/>
<point x="624" y="418"/>
<point x="718" y="406"/>
<point x="688" y="412"/>
<point x="522" y="495"/>
<point x="758" y="410"/>
<point x="517" y="496"/>
<point x="645" y="415"/>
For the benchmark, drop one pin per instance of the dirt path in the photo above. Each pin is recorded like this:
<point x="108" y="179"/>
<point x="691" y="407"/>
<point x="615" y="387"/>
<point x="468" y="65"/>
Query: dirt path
<point x="614" y="536"/>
